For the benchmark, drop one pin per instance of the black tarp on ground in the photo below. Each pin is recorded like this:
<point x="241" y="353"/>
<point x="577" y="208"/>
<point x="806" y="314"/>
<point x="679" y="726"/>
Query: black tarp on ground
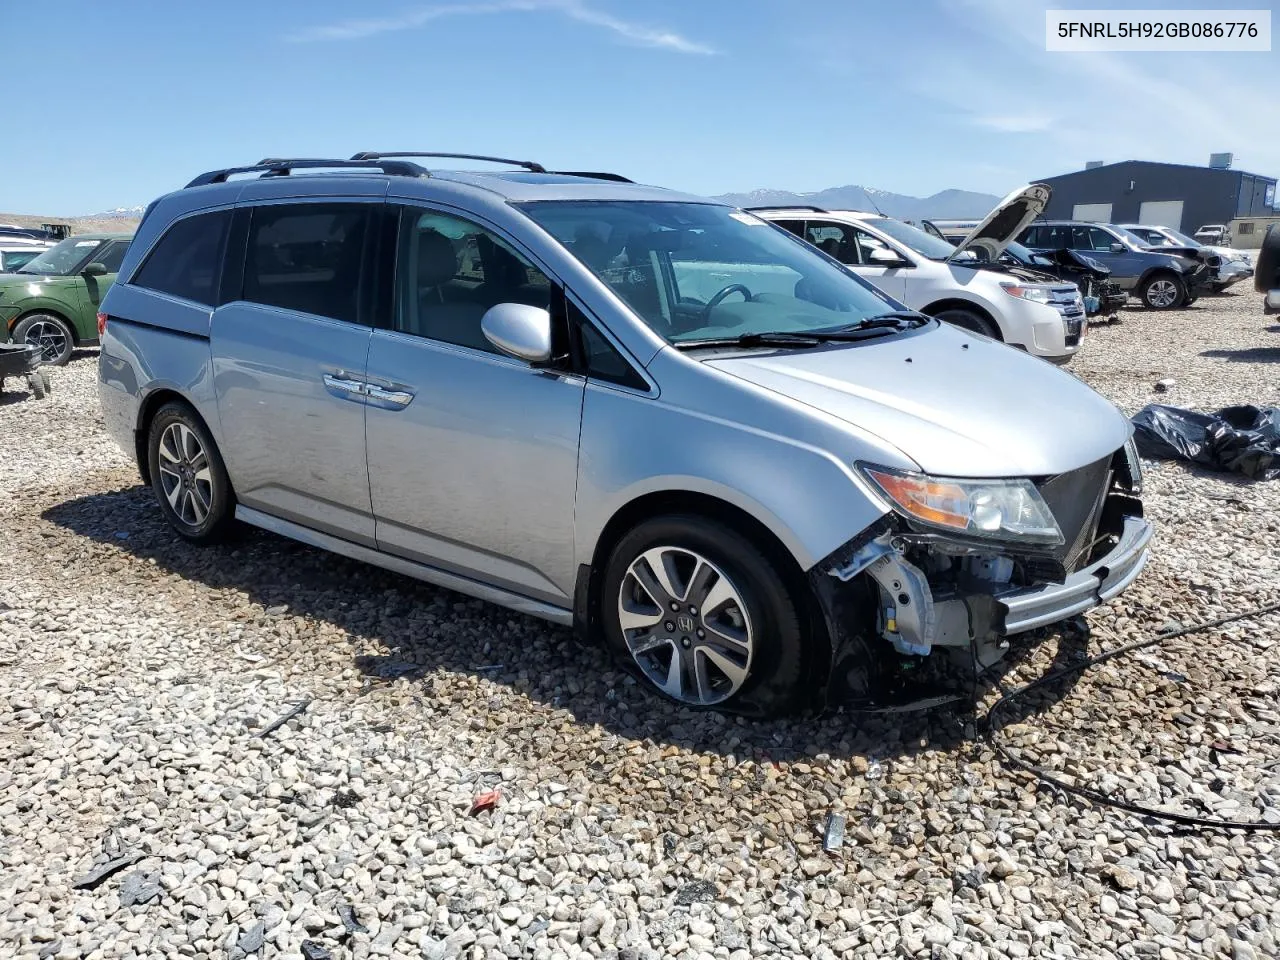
<point x="1242" y="439"/>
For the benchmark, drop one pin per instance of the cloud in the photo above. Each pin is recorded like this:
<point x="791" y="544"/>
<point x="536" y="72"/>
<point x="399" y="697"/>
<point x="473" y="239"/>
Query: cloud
<point x="1014" y="123"/>
<point x="629" y="31"/>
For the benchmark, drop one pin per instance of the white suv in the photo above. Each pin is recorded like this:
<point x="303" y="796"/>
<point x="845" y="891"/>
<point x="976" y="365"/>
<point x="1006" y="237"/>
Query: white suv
<point x="964" y="284"/>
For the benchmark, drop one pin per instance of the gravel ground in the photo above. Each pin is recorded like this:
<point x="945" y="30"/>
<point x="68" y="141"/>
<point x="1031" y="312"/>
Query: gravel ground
<point x="140" y="679"/>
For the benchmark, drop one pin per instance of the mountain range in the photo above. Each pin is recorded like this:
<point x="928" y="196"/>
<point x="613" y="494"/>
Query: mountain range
<point x="946" y="205"/>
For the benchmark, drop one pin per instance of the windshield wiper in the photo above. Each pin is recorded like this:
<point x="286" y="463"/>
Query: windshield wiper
<point x="895" y="318"/>
<point x="766" y="339"/>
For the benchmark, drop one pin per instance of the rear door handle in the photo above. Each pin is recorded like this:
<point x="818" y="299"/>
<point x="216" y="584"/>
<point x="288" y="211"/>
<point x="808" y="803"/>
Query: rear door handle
<point x="345" y="387"/>
<point x="391" y="399"/>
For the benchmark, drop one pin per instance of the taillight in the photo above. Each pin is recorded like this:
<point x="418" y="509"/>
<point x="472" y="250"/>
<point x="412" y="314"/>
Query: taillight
<point x="102" y="324"/>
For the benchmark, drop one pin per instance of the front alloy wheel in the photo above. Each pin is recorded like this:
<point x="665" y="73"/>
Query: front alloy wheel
<point x="685" y="625"/>
<point x="50" y="334"/>
<point x="1163" y="292"/>
<point x="707" y="615"/>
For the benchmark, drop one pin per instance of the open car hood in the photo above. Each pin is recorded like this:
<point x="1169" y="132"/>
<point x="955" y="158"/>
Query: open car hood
<point x="1010" y="217"/>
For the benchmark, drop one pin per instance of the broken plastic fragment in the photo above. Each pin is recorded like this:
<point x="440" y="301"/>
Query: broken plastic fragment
<point x="484" y="800"/>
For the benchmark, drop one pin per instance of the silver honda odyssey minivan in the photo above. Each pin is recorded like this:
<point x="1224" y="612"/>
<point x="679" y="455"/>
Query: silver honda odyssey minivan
<point x="656" y="418"/>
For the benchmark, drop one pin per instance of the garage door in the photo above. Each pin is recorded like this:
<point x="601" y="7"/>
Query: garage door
<point x="1092" y="212"/>
<point x="1161" y="213"/>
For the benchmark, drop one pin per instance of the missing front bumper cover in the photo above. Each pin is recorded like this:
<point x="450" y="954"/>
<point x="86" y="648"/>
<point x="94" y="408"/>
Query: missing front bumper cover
<point x="953" y="597"/>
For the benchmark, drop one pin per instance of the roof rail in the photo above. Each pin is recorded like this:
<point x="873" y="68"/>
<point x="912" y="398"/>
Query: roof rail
<point x="282" y="167"/>
<point x="788" y="206"/>
<point x="615" y="177"/>
<point x="529" y="165"/>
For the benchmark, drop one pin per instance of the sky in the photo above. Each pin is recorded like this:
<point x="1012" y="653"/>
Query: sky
<point x="130" y="100"/>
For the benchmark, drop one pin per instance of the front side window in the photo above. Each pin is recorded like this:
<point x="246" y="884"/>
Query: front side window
<point x="307" y="257"/>
<point x="695" y="271"/>
<point x="186" y="261"/>
<point x="63" y="259"/>
<point x="835" y="240"/>
<point x="452" y="271"/>
<point x="1100" y="239"/>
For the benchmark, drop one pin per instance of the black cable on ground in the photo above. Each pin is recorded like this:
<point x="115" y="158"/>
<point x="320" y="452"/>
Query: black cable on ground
<point x="1097" y="796"/>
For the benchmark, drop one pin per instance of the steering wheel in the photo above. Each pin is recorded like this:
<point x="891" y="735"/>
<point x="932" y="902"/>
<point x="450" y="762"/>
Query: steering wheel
<point x="721" y="294"/>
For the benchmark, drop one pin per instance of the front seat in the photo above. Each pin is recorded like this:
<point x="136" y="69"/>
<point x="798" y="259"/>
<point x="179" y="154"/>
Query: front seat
<point x="440" y="315"/>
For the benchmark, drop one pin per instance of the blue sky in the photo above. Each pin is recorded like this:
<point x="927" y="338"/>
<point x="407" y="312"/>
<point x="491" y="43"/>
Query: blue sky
<point x="707" y="96"/>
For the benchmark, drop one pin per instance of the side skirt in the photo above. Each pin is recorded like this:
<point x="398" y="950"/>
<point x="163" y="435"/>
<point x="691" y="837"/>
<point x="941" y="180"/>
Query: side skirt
<point x="419" y="571"/>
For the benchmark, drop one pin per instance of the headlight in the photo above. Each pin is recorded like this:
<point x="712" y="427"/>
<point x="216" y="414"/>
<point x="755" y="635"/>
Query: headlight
<point x="1034" y="294"/>
<point x="991" y="509"/>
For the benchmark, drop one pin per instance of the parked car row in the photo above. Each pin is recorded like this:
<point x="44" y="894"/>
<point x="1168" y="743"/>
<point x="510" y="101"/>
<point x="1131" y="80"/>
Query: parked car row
<point x="714" y="447"/>
<point x="966" y="284"/>
<point x="1226" y="265"/>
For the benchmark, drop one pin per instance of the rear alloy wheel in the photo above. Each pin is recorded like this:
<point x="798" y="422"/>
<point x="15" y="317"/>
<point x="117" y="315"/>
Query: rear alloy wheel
<point x="703" y="616"/>
<point x="969" y="320"/>
<point x="1164" y="291"/>
<point x="50" y="333"/>
<point x="187" y="475"/>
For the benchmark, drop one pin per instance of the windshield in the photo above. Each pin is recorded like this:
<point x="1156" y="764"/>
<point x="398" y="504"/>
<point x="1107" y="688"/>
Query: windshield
<point x="1181" y="238"/>
<point x="61" y="260"/>
<point x="696" y="271"/>
<point x="1022" y="255"/>
<point x="925" y="244"/>
<point x="1133" y="238"/>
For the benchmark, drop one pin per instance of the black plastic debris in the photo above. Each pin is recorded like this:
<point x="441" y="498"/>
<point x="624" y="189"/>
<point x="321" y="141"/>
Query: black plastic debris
<point x="139" y="888"/>
<point x="252" y="939"/>
<point x="94" y="877"/>
<point x="347" y="914"/>
<point x="314" y="951"/>
<point x="284" y="718"/>
<point x="1244" y="439"/>
<point x="699" y="891"/>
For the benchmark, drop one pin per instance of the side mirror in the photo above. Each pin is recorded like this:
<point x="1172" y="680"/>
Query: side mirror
<point x="519" y="330"/>
<point x="95" y="270"/>
<point x="885" y="257"/>
<point x="1117" y="248"/>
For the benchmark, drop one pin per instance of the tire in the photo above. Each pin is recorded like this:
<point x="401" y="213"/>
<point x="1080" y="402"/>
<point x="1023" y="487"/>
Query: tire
<point x="763" y="676"/>
<point x="1266" y="266"/>
<point x="55" y="337"/>
<point x="969" y="320"/>
<point x="1162" y="291"/>
<point x="194" y="491"/>
<point x="38" y="382"/>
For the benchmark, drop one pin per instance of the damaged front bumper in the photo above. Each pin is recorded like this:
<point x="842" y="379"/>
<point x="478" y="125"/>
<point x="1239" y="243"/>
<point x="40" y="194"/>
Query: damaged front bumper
<point x="895" y="596"/>
<point x="1028" y="608"/>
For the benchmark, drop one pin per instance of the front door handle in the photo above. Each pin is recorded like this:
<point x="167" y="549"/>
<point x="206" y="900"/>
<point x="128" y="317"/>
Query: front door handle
<point x="345" y="387"/>
<point x="393" y="399"/>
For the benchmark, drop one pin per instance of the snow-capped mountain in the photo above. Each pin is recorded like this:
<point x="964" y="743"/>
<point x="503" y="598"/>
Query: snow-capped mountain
<point x="946" y="205"/>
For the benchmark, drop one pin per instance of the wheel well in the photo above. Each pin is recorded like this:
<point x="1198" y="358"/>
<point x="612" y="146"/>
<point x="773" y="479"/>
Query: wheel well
<point x="75" y="334"/>
<point x="969" y="305"/>
<point x="150" y="405"/>
<point x="703" y="505"/>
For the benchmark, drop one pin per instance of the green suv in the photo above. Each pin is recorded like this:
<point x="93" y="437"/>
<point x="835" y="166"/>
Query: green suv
<point x="53" y="299"/>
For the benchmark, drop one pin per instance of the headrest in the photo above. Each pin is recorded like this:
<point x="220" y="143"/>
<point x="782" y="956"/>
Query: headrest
<point x="437" y="260"/>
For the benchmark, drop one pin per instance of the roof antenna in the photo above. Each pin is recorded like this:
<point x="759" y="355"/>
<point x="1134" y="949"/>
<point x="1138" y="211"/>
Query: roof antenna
<point x="866" y="193"/>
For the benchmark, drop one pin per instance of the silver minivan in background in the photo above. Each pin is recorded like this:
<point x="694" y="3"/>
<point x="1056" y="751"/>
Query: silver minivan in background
<point x="653" y="417"/>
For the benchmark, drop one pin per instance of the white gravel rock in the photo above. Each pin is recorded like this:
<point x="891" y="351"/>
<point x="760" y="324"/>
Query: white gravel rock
<point x="135" y="671"/>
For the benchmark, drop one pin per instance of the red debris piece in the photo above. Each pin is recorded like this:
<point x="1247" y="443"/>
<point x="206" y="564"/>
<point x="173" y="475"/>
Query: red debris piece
<point x="485" y="800"/>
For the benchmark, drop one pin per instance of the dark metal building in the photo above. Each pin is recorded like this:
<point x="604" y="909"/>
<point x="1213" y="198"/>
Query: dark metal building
<point x="1168" y="194"/>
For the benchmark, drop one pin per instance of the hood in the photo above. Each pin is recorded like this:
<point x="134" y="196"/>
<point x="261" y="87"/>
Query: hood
<point x="1010" y="217"/>
<point x="956" y="403"/>
<point x="1227" y="254"/>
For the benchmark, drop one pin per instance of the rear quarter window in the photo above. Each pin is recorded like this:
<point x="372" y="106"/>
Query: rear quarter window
<point x="187" y="261"/>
